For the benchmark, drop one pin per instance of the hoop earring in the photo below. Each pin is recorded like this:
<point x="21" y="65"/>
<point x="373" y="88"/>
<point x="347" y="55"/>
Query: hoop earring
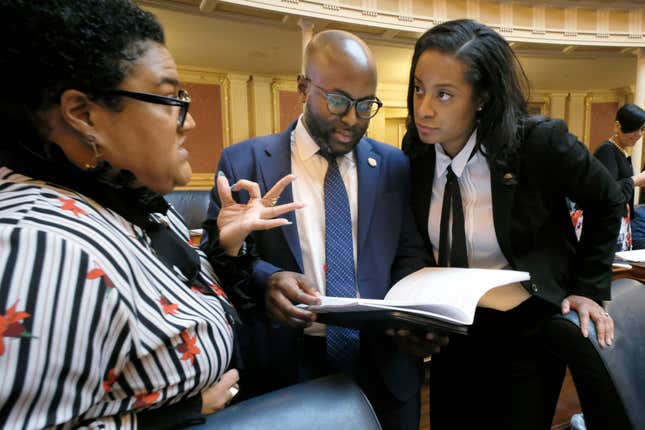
<point x="90" y="141"/>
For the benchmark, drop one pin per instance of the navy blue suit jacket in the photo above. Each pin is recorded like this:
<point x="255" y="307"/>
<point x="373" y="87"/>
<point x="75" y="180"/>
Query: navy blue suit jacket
<point x="389" y="246"/>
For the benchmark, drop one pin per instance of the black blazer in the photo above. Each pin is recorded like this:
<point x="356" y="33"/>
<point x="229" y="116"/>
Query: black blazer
<point x="531" y="218"/>
<point x="620" y="168"/>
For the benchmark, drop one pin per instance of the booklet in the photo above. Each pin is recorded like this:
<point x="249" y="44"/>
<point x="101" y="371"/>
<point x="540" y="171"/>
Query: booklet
<point x="439" y="297"/>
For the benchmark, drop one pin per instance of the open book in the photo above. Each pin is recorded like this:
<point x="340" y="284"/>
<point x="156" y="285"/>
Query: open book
<point x="433" y="296"/>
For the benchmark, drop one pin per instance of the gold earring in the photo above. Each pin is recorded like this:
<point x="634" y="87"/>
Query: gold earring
<point x="90" y="141"/>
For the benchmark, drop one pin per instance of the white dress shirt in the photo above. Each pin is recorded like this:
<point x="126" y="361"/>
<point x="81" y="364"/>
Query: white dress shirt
<point x="310" y="169"/>
<point x="483" y="249"/>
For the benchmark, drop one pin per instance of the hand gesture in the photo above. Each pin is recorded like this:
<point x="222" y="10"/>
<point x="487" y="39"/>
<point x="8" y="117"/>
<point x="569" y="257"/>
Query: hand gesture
<point x="586" y="309"/>
<point x="220" y="394"/>
<point x="282" y="291"/>
<point x="236" y="220"/>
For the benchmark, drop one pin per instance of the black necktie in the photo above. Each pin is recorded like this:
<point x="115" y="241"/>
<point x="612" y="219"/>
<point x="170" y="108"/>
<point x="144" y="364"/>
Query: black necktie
<point x="453" y="254"/>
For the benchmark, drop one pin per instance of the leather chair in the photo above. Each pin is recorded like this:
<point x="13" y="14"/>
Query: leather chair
<point x="332" y="402"/>
<point x="192" y="205"/>
<point x="610" y="381"/>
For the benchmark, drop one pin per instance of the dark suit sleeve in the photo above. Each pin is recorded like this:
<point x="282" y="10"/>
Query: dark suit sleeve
<point x="606" y="154"/>
<point x="411" y="254"/>
<point x="585" y="181"/>
<point x="241" y="276"/>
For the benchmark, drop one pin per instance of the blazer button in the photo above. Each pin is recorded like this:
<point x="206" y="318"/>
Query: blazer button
<point x="534" y="287"/>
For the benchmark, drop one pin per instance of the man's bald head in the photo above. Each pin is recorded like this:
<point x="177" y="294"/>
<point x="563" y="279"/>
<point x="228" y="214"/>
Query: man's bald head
<point x="333" y="49"/>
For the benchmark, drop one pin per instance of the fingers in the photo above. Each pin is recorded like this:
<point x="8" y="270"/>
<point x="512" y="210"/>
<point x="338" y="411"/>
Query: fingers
<point x="229" y="378"/>
<point x="584" y="321"/>
<point x="272" y="212"/>
<point x="251" y="187"/>
<point x="283" y="290"/>
<point x="278" y="188"/>
<point x="604" y="328"/>
<point x="218" y="395"/>
<point x="565" y="306"/>
<point x="223" y="190"/>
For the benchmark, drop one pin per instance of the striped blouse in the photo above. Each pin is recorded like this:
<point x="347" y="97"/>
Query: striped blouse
<point x="93" y="325"/>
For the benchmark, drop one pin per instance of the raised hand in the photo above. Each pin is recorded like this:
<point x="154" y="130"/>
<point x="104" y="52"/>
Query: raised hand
<point x="237" y="220"/>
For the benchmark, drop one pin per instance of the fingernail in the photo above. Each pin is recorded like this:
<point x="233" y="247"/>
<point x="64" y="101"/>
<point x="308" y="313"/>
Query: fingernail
<point x="287" y="223"/>
<point x="233" y="187"/>
<point x="220" y="173"/>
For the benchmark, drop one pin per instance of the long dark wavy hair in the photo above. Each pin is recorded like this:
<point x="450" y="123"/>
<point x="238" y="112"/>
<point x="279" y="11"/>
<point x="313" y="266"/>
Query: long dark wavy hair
<point x="497" y="79"/>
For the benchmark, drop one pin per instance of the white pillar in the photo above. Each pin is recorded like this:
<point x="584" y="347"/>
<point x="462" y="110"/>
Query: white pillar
<point x="558" y="102"/>
<point x="576" y="119"/>
<point x="376" y="129"/>
<point x="260" y="106"/>
<point x="239" y="107"/>
<point x="307" y="29"/>
<point x="639" y="99"/>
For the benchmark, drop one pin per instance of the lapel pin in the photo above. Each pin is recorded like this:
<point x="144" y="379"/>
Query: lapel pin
<point x="372" y="162"/>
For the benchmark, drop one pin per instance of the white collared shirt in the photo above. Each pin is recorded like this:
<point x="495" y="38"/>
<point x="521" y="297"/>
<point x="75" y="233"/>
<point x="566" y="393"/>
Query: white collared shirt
<point x="474" y="179"/>
<point x="310" y="169"/>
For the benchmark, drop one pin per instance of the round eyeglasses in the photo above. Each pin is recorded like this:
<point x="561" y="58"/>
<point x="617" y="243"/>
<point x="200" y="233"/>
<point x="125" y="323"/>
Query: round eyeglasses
<point x="340" y="104"/>
<point x="182" y="100"/>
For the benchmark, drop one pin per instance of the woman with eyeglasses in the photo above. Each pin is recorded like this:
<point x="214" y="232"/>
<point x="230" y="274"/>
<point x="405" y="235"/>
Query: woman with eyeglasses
<point x="489" y="189"/>
<point x="612" y="153"/>
<point x="109" y="318"/>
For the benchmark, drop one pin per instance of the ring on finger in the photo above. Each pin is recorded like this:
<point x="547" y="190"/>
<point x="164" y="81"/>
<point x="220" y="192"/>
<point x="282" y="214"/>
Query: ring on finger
<point x="270" y="201"/>
<point x="605" y="314"/>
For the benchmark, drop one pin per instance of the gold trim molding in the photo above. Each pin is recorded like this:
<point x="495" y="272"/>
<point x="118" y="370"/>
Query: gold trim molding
<point x="199" y="75"/>
<point x="620" y="96"/>
<point x="276" y="86"/>
<point x="199" y="181"/>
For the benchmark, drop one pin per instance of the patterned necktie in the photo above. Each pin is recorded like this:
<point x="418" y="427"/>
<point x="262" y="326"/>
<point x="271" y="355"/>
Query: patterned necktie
<point x="454" y="255"/>
<point x="342" y="343"/>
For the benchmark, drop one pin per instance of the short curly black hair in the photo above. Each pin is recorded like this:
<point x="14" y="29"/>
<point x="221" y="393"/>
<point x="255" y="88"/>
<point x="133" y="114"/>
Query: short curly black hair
<point x="54" y="45"/>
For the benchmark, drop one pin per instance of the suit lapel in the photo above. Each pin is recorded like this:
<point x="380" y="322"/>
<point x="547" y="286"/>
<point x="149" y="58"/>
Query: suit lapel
<point x="503" y="185"/>
<point x="368" y="166"/>
<point x="274" y="162"/>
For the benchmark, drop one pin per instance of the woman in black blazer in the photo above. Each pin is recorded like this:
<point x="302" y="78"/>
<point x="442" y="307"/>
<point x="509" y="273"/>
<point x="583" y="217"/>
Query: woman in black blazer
<point x="612" y="153"/>
<point x="489" y="189"/>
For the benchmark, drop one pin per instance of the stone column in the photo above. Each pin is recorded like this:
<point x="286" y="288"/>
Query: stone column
<point x="260" y="106"/>
<point x="558" y="104"/>
<point x="307" y="29"/>
<point x="239" y="107"/>
<point x="639" y="99"/>
<point x="576" y="117"/>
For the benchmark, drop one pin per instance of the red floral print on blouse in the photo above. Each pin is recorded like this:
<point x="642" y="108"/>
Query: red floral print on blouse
<point x="188" y="347"/>
<point x="70" y="205"/>
<point x="110" y="379"/>
<point x="11" y="325"/>
<point x="99" y="273"/>
<point x="145" y="399"/>
<point x="168" y="308"/>
<point x="218" y="290"/>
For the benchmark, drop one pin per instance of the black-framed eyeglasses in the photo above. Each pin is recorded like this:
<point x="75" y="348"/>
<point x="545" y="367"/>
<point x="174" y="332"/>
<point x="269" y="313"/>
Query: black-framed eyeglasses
<point x="182" y="100"/>
<point x="340" y="104"/>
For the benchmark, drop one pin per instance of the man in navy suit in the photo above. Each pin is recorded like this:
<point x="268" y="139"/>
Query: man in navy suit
<point x="338" y="90"/>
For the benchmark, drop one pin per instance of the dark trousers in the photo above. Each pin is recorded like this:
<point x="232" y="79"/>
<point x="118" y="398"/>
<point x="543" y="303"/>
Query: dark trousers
<point x="391" y="412"/>
<point x="500" y="376"/>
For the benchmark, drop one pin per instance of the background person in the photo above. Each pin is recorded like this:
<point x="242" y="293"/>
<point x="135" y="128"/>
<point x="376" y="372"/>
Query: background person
<point x="612" y="153"/>
<point x="106" y="311"/>
<point x="488" y="191"/>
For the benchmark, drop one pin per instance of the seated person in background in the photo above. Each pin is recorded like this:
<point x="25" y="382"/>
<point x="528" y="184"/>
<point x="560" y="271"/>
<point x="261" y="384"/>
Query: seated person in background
<point x="108" y="317"/>
<point x="628" y="128"/>
<point x="355" y="238"/>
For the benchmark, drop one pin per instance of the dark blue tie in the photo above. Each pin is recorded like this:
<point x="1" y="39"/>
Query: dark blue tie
<point x="342" y="343"/>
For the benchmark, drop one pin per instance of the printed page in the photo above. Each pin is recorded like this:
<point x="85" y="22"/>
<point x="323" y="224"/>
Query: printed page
<point x="636" y="256"/>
